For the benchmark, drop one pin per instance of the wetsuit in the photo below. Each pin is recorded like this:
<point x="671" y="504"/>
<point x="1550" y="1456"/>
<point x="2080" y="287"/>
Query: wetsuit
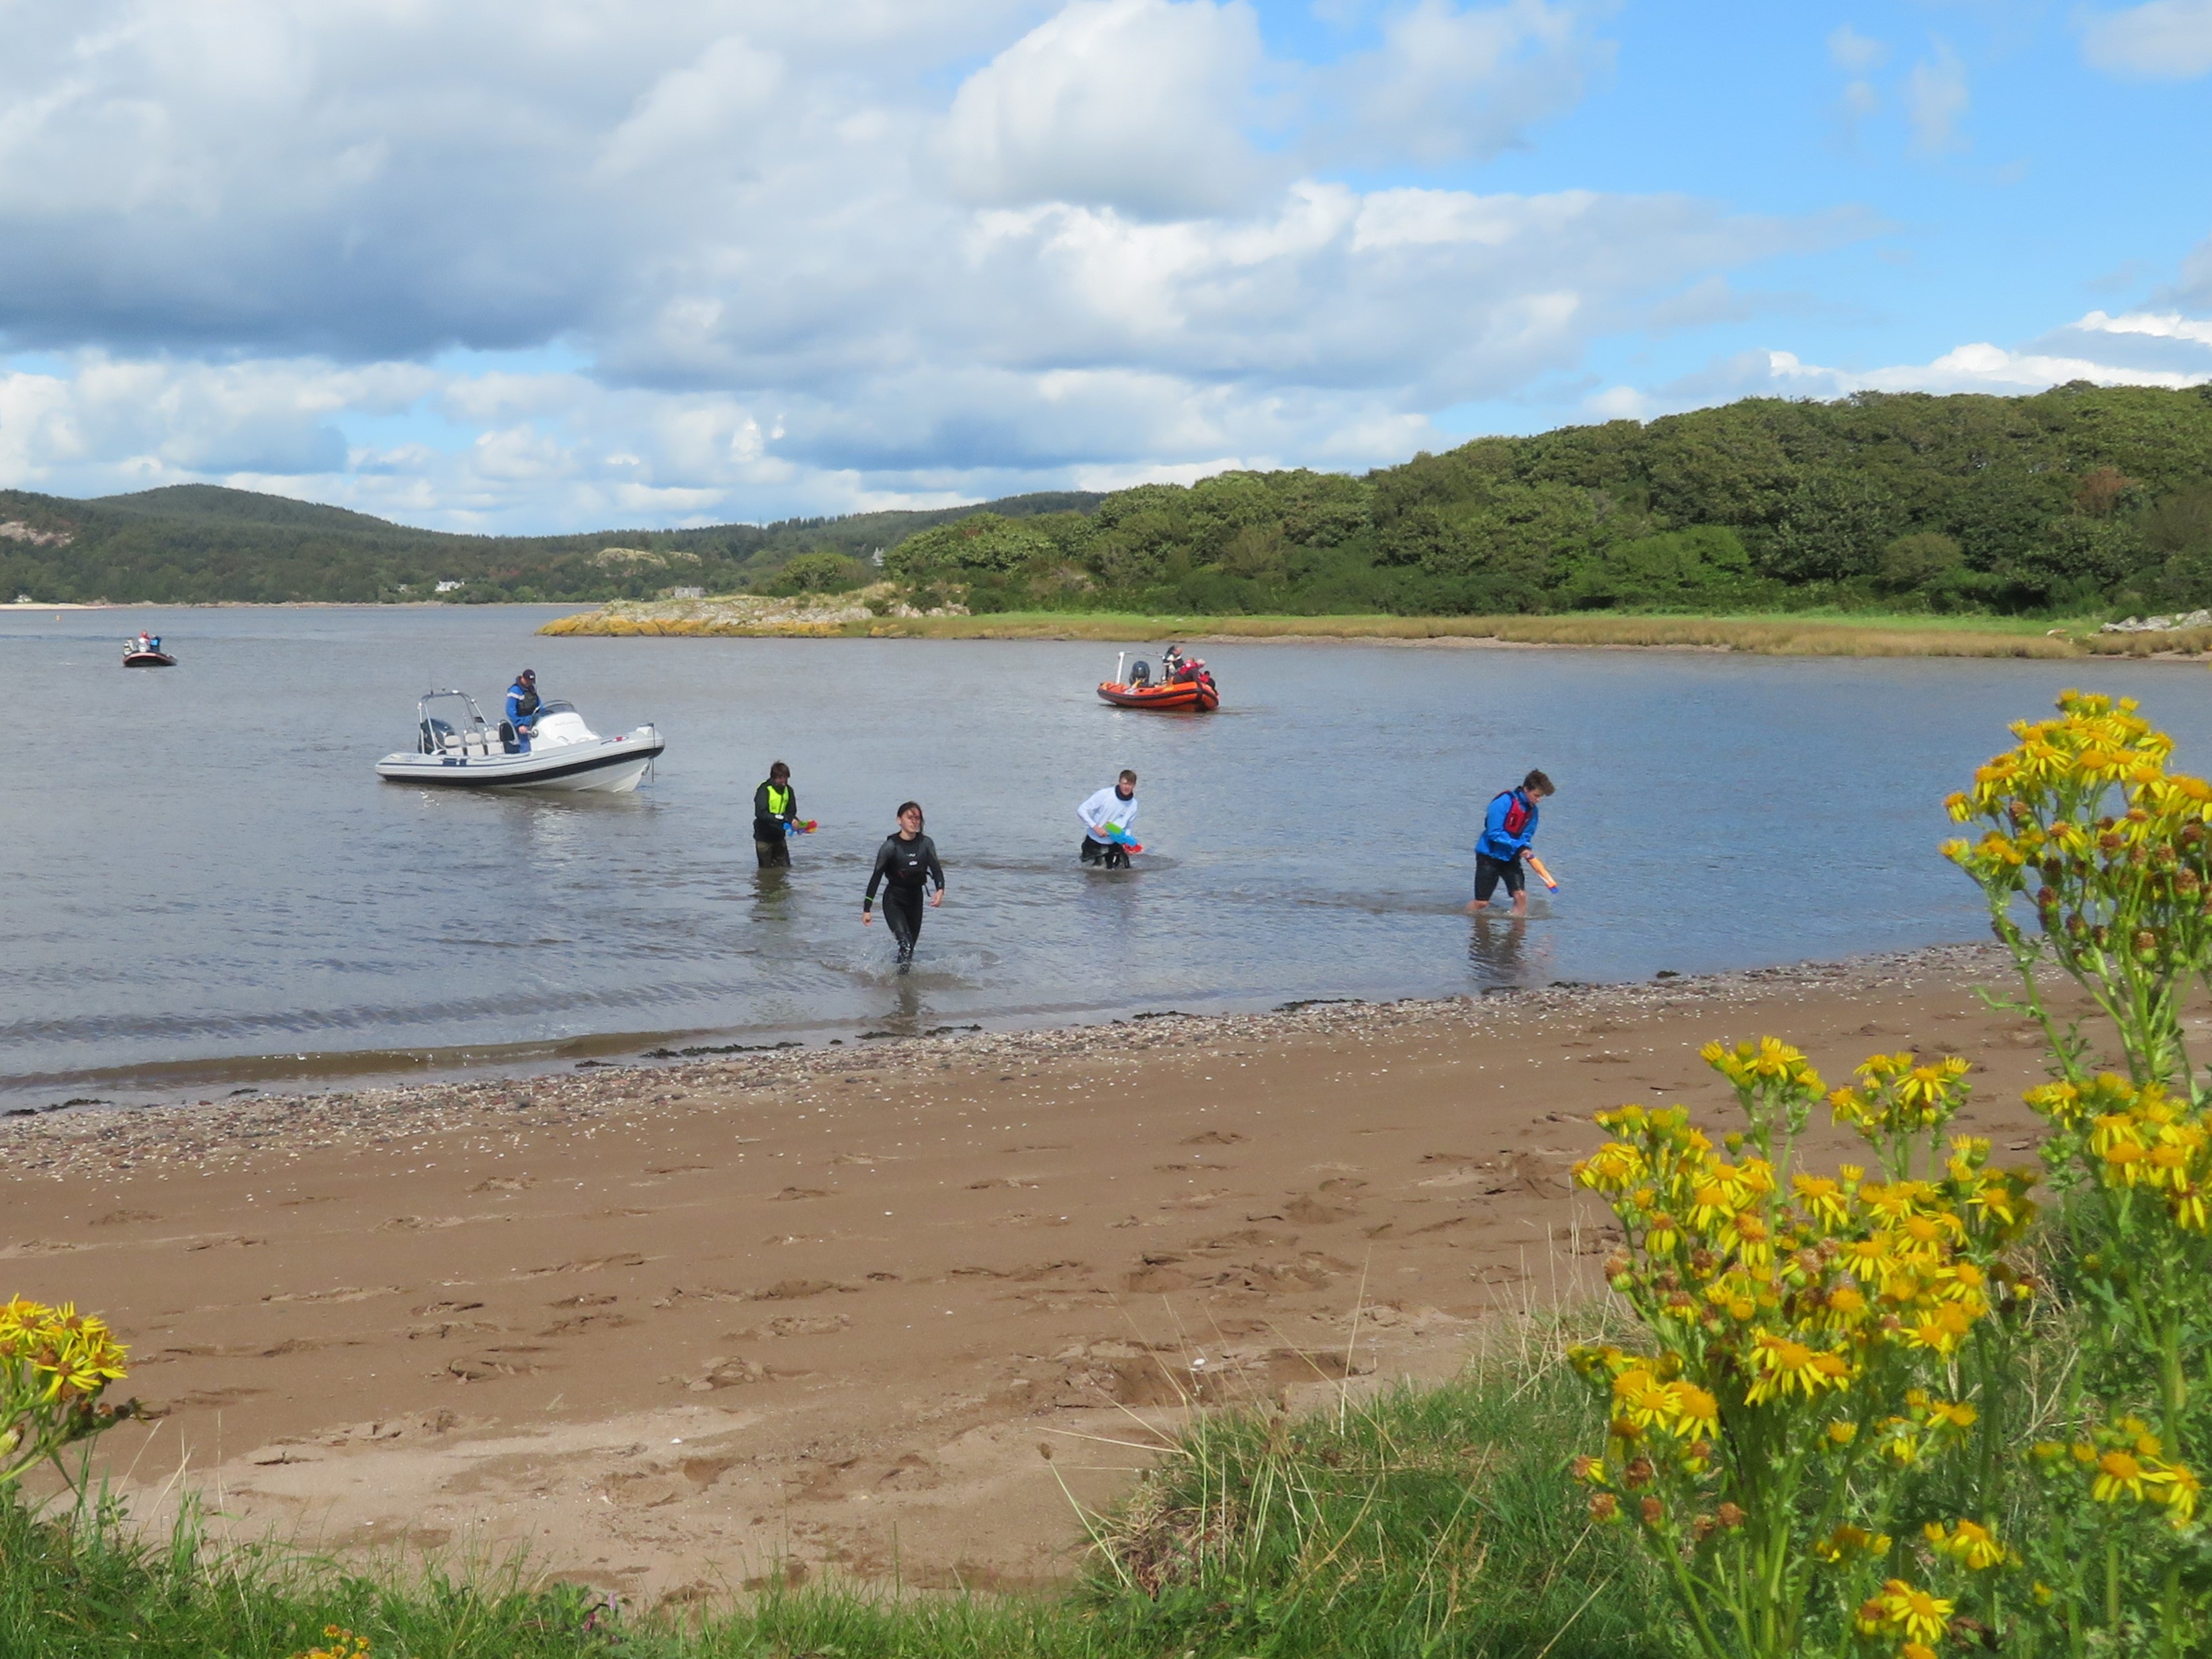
<point x="775" y="806"/>
<point x="521" y="708"/>
<point x="1108" y="806"/>
<point x="903" y="869"/>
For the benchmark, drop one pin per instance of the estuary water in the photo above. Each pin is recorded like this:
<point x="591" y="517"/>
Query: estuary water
<point x="203" y="886"/>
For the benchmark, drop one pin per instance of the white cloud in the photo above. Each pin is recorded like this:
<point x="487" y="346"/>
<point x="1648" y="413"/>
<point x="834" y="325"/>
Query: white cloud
<point x="2156" y="348"/>
<point x="1449" y="81"/>
<point x="2166" y="39"/>
<point x="1853" y="52"/>
<point x="1129" y="104"/>
<point x="739" y="258"/>
<point x="1935" y="100"/>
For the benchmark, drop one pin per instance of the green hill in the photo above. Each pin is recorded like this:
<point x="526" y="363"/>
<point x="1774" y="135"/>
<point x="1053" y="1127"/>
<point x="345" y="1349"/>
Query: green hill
<point x="2074" y="500"/>
<point x="202" y="542"/>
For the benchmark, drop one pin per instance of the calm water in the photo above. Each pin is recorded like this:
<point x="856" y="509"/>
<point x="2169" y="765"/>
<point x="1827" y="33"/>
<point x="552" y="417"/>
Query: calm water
<point x="200" y="865"/>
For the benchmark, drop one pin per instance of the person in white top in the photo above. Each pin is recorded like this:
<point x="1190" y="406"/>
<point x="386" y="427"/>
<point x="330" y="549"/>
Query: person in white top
<point x="1115" y="806"/>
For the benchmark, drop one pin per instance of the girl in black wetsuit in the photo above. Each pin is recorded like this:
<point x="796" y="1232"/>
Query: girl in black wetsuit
<point x="904" y="864"/>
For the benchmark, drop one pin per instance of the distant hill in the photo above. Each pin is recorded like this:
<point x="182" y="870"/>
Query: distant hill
<point x="2076" y="499"/>
<point x="187" y="544"/>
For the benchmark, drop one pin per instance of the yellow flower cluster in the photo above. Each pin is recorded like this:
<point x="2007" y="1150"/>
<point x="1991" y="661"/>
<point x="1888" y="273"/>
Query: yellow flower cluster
<point x="68" y="1356"/>
<point x="1767" y="1061"/>
<point x="340" y="1644"/>
<point x="1899" y="1610"/>
<point x="1902" y="1095"/>
<point x="2120" y="844"/>
<point x="2129" y="1136"/>
<point x="2125" y="1463"/>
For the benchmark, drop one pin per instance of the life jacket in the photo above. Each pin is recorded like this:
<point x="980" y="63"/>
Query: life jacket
<point x="525" y="701"/>
<point x="1517" y="810"/>
<point x="778" y="801"/>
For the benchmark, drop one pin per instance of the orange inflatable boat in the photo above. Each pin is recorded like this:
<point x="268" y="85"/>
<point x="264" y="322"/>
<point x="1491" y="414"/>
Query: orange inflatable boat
<point x="1198" y="696"/>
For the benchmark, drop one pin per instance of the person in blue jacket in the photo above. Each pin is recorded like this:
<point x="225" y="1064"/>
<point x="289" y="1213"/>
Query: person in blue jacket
<point x="522" y="707"/>
<point x="1508" y="827"/>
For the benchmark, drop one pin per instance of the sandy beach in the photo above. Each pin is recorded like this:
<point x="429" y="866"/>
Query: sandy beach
<point x="879" y="1308"/>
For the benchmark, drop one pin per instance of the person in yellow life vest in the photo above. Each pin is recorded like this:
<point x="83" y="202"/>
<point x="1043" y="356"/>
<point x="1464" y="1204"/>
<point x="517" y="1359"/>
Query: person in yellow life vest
<point x="775" y="808"/>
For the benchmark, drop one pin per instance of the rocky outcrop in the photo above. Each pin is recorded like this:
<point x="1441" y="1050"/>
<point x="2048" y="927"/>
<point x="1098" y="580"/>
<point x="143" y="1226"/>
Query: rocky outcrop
<point x="15" y="529"/>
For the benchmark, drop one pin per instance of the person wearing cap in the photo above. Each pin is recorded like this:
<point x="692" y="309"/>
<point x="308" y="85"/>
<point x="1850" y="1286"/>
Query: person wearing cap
<point x="522" y="707"/>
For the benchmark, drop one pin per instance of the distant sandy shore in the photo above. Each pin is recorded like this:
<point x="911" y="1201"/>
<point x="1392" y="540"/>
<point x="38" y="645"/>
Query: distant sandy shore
<point x="854" y="1306"/>
<point x="843" y="617"/>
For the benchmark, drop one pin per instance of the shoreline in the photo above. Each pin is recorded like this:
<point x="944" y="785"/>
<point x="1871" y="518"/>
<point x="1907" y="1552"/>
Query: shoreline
<point x="1779" y="633"/>
<point x="666" y="1327"/>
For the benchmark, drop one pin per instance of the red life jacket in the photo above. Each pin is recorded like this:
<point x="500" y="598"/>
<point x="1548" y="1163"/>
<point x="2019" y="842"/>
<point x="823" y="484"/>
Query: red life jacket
<point x="1517" y="811"/>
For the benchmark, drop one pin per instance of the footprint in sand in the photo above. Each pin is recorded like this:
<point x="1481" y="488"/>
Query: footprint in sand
<point x="789" y="1193"/>
<point x="1214" y="1137"/>
<point x="122" y="1217"/>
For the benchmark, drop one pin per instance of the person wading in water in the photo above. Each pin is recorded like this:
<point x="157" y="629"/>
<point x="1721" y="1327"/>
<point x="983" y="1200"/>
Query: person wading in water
<point x="776" y="807"/>
<point x="1507" y="829"/>
<point x="905" y="863"/>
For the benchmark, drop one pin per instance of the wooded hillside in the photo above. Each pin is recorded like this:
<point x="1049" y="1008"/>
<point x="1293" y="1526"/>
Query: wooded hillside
<point x="2074" y="500"/>
<point x="2079" y="499"/>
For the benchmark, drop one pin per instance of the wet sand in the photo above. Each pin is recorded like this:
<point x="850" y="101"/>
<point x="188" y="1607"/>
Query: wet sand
<point x="879" y="1308"/>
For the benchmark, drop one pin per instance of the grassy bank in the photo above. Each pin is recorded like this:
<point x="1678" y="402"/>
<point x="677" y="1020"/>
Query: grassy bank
<point x="1437" y="1522"/>
<point x="1811" y="635"/>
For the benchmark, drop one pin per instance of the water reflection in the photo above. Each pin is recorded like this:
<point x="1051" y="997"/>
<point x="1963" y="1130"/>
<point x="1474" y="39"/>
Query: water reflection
<point x="1500" y="951"/>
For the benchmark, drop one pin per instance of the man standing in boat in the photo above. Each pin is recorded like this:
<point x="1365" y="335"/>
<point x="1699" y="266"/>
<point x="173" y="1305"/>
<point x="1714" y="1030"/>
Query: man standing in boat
<point x="522" y="707"/>
<point x="775" y="808"/>
<point x="1116" y="805"/>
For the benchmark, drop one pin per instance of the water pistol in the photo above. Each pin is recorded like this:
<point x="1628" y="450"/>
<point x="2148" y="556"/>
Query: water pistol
<point x="1542" y="874"/>
<point x="1120" y="837"/>
<point x="804" y="826"/>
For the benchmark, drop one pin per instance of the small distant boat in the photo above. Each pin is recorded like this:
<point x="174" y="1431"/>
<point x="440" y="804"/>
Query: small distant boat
<point x="456" y="748"/>
<point x="1188" y="688"/>
<point x="134" y="658"/>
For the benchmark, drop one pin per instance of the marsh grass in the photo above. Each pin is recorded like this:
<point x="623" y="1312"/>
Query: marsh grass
<point x="1418" y="1521"/>
<point x="1809" y="635"/>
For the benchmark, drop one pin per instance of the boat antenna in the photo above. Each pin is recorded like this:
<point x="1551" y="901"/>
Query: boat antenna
<point x="1120" y="656"/>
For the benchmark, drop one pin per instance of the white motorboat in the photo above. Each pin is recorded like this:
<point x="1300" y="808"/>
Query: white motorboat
<point x="457" y="748"/>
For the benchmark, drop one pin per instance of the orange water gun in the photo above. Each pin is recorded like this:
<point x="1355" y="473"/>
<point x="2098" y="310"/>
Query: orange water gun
<point x="804" y="826"/>
<point x="1542" y="874"/>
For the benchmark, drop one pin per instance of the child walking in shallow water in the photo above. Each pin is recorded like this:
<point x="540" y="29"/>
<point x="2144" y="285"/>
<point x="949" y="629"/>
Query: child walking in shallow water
<point x="905" y="864"/>
<point x="1508" y="827"/>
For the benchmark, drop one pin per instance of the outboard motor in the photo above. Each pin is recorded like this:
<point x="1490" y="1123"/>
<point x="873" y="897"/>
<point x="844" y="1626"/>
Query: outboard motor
<point x="1140" y="672"/>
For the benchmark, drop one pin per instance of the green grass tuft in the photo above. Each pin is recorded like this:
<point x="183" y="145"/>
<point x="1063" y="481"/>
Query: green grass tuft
<point x="1428" y="1523"/>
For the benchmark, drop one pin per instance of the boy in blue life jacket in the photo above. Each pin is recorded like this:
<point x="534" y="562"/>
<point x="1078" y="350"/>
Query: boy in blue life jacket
<point x="1508" y="827"/>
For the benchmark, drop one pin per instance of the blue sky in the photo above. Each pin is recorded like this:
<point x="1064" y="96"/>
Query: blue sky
<point x="572" y="263"/>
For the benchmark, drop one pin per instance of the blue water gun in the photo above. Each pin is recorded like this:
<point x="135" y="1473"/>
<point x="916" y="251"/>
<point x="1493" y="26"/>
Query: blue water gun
<point x="1117" y="836"/>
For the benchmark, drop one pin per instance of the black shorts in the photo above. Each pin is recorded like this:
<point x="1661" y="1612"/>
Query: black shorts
<point x="1112" y="854"/>
<point x="1489" y="872"/>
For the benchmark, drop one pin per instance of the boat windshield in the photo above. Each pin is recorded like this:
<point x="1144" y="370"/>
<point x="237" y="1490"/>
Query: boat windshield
<point x="558" y="708"/>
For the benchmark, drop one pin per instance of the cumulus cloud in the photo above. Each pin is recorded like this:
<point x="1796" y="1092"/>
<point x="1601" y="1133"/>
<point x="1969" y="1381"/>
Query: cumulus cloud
<point x="1135" y="105"/>
<point x="2140" y="348"/>
<point x="2166" y="39"/>
<point x="1449" y="81"/>
<point x="793" y="258"/>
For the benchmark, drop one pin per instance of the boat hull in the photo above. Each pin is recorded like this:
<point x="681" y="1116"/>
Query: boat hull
<point x="1185" y="696"/>
<point x="148" y="660"/>
<point x="607" y="766"/>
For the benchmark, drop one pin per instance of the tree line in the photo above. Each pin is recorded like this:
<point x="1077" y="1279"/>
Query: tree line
<point x="2077" y="498"/>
